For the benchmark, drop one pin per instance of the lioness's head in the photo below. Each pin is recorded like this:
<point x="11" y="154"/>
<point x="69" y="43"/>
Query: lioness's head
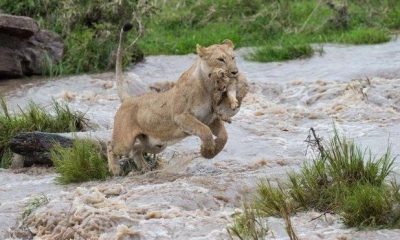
<point x="219" y="56"/>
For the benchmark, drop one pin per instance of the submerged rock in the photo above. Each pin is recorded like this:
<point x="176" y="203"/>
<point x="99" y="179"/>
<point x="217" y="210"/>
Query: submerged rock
<point x="35" y="147"/>
<point x="25" y="49"/>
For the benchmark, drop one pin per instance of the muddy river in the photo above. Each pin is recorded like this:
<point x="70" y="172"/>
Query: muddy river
<point x="355" y="87"/>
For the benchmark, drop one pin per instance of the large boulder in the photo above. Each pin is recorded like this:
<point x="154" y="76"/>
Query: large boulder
<point x="24" y="48"/>
<point x="23" y="27"/>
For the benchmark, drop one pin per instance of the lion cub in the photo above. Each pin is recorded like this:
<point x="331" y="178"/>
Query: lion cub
<point x="223" y="85"/>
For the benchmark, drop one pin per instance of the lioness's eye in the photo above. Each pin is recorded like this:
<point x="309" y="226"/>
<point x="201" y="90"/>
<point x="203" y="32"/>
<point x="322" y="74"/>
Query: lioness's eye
<point x="233" y="58"/>
<point x="221" y="60"/>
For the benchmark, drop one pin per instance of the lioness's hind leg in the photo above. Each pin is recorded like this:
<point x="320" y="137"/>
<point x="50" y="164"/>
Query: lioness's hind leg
<point x="140" y="162"/>
<point x="116" y="148"/>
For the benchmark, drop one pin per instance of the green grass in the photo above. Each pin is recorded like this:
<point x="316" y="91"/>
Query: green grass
<point x="282" y="52"/>
<point x="344" y="179"/>
<point x="365" y="36"/>
<point x="272" y="25"/>
<point x="249" y="225"/>
<point x="368" y="206"/>
<point x="90" y="28"/>
<point x="33" y="204"/>
<point x="84" y="161"/>
<point x="57" y="118"/>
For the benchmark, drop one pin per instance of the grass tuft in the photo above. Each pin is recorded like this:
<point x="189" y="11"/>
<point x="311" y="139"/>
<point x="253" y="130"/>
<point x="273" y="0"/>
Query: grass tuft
<point x="282" y="53"/>
<point x="344" y="179"/>
<point x="59" y="118"/>
<point x="84" y="161"/>
<point x="323" y="183"/>
<point x="34" y="204"/>
<point x="367" y="206"/>
<point x="365" y="36"/>
<point x="248" y="225"/>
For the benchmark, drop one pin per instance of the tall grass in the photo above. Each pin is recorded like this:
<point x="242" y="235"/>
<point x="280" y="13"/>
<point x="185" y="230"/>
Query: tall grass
<point x="58" y="118"/>
<point x="90" y="28"/>
<point x="180" y="24"/>
<point x="84" y="161"/>
<point x="344" y="179"/>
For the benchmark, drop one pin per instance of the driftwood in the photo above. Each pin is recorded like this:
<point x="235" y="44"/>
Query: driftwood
<point x="35" y="147"/>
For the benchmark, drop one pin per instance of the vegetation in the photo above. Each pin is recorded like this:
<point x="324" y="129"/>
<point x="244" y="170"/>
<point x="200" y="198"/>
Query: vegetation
<point x="282" y="29"/>
<point x="249" y="225"/>
<point x="343" y="179"/>
<point x="33" y="204"/>
<point x="59" y="118"/>
<point x="282" y="52"/>
<point x="84" y="161"/>
<point x="89" y="29"/>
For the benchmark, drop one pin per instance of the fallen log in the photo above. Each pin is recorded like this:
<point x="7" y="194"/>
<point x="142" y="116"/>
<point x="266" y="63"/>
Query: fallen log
<point x="35" y="147"/>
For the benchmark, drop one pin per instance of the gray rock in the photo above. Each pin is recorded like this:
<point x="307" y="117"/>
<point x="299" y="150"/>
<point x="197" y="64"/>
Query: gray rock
<point x="24" y="49"/>
<point x="22" y="27"/>
<point x="10" y="65"/>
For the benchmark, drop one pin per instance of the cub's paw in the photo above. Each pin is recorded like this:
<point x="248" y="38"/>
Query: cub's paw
<point x="220" y="73"/>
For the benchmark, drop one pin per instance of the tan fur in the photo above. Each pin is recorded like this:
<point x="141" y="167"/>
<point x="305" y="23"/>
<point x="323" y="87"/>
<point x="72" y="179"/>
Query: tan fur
<point x="229" y="88"/>
<point x="224" y="109"/>
<point x="150" y="122"/>
<point x="162" y="86"/>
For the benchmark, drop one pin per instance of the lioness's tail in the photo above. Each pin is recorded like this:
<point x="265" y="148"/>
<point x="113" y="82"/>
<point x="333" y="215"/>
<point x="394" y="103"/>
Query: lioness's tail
<point x="122" y="93"/>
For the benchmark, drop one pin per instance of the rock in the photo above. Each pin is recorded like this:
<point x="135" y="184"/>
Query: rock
<point x="25" y="50"/>
<point x="23" y="27"/>
<point x="35" y="147"/>
<point x="41" y="47"/>
<point x="10" y="65"/>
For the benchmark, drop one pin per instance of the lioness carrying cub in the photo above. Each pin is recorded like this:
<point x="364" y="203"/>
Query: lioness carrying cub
<point x="150" y="122"/>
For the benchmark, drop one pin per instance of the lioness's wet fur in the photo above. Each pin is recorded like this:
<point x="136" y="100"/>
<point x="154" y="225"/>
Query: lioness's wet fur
<point x="150" y="122"/>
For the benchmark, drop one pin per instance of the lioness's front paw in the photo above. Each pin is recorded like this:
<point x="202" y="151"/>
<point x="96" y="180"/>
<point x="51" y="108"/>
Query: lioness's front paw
<point x="208" y="149"/>
<point x="234" y="104"/>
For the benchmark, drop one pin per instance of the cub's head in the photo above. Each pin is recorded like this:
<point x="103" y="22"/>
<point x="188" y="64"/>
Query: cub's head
<point x="219" y="56"/>
<point x="220" y="79"/>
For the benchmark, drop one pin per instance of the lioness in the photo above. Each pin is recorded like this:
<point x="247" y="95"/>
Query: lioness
<point x="150" y="122"/>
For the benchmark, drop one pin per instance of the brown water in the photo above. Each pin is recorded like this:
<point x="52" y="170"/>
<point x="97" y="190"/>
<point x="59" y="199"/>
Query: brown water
<point x="194" y="198"/>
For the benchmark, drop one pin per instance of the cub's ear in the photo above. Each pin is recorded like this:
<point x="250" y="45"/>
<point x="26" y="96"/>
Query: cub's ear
<point x="201" y="51"/>
<point x="229" y="43"/>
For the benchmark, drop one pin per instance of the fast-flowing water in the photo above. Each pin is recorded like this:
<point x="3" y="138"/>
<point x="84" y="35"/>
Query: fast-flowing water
<point x="355" y="87"/>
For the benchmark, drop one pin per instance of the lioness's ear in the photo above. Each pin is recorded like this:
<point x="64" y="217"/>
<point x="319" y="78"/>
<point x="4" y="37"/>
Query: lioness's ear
<point x="201" y="51"/>
<point x="229" y="43"/>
